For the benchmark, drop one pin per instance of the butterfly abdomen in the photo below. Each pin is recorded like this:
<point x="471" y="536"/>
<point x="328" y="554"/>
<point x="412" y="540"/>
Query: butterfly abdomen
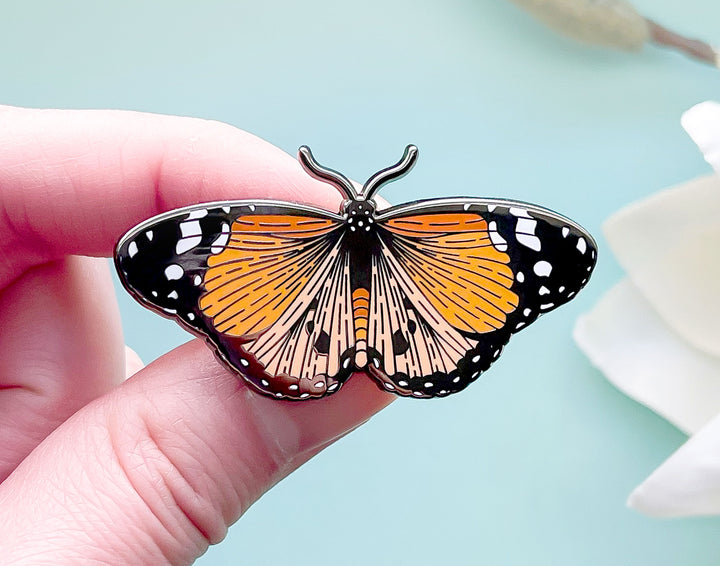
<point x="361" y="309"/>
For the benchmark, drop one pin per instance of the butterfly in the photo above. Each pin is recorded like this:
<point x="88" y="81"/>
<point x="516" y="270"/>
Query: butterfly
<point x="422" y="296"/>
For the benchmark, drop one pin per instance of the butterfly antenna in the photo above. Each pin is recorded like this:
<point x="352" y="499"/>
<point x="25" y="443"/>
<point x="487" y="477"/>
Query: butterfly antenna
<point x="314" y="169"/>
<point x="397" y="171"/>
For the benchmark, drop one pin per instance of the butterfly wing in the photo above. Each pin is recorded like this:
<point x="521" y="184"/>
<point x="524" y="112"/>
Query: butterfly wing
<point x="455" y="278"/>
<point x="264" y="282"/>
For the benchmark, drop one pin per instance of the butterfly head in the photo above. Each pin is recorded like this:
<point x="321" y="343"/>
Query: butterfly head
<point x="373" y="184"/>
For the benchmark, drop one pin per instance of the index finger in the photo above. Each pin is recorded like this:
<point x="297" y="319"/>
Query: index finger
<point x="73" y="181"/>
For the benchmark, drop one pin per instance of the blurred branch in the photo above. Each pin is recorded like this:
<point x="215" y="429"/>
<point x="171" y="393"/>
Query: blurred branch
<point x="613" y="23"/>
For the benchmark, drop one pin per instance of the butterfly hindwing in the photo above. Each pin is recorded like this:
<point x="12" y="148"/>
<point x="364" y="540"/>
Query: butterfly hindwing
<point x="466" y="273"/>
<point x="262" y="281"/>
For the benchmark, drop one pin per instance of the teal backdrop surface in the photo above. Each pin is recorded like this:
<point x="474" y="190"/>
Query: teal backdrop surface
<point x="532" y="464"/>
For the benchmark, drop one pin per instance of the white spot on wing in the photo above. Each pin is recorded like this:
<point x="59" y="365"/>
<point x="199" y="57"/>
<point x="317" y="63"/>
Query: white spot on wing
<point x="226" y="210"/>
<point x="149" y="235"/>
<point x="132" y="249"/>
<point x="491" y="207"/>
<point x="191" y="236"/>
<point x="466" y="206"/>
<point x="191" y="228"/>
<point x="581" y="245"/>
<point x="197" y="214"/>
<point x="519" y="212"/>
<point x="173" y="272"/>
<point x="543" y="291"/>
<point x="186" y="244"/>
<point x="173" y="295"/>
<point x="495" y="237"/>
<point x="532" y="242"/>
<point x="520" y="277"/>
<point x="542" y="268"/>
<point x="197" y="280"/>
<point x="565" y="231"/>
<point x="525" y="232"/>
<point x="525" y="226"/>
<point x="221" y="241"/>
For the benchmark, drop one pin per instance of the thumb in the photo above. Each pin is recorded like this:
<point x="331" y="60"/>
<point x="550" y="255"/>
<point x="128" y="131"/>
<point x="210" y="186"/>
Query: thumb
<point x="156" y="471"/>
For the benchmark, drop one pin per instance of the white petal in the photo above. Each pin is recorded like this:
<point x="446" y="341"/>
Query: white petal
<point x="687" y="483"/>
<point x="667" y="244"/>
<point x="639" y="233"/>
<point x="702" y="122"/>
<point x="643" y="357"/>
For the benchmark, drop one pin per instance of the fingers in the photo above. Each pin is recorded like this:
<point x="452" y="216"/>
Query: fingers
<point x="133" y="363"/>
<point x="74" y="181"/>
<point x="61" y="346"/>
<point x="71" y="182"/>
<point x="158" y="469"/>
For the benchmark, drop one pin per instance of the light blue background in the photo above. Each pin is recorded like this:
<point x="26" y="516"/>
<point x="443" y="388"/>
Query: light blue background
<point x="532" y="464"/>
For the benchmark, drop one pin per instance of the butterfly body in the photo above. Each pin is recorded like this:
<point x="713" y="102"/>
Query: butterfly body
<point x="422" y="296"/>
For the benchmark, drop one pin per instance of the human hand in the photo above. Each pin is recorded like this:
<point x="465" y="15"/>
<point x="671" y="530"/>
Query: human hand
<point x="154" y="469"/>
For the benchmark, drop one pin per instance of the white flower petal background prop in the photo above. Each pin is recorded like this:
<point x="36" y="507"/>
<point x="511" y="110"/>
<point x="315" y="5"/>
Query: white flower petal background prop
<point x="642" y="356"/>
<point x="656" y="335"/>
<point x="686" y="484"/>
<point x="668" y="246"/>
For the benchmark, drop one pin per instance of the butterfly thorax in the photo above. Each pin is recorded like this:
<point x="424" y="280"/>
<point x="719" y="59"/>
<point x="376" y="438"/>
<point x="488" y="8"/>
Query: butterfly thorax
<point x="360" y="242"/>
<point x="355" y="211"/>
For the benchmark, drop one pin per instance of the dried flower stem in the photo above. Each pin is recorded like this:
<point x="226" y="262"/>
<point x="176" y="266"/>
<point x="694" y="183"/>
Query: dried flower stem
<point x="692" y="47"/>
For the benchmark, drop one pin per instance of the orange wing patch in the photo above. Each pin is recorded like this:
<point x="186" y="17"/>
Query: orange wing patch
<point x="453" y="262"/>
<point x="266" y="263"/>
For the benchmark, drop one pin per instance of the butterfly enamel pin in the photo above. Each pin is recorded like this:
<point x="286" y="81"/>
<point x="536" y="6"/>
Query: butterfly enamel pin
<point x="422" y="296"/>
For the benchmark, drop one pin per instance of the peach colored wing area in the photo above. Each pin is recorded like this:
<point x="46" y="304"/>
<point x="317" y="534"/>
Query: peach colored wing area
<point x="314" y="348"/>
<point x="266" y="264"/>
<point x="281" y="285"/>
<point x="413" y="341"/>
<point x="450" y="258"/>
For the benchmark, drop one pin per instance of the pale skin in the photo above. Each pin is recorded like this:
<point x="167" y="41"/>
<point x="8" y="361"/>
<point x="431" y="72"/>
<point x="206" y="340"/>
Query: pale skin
<point x="152" y="470"/>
